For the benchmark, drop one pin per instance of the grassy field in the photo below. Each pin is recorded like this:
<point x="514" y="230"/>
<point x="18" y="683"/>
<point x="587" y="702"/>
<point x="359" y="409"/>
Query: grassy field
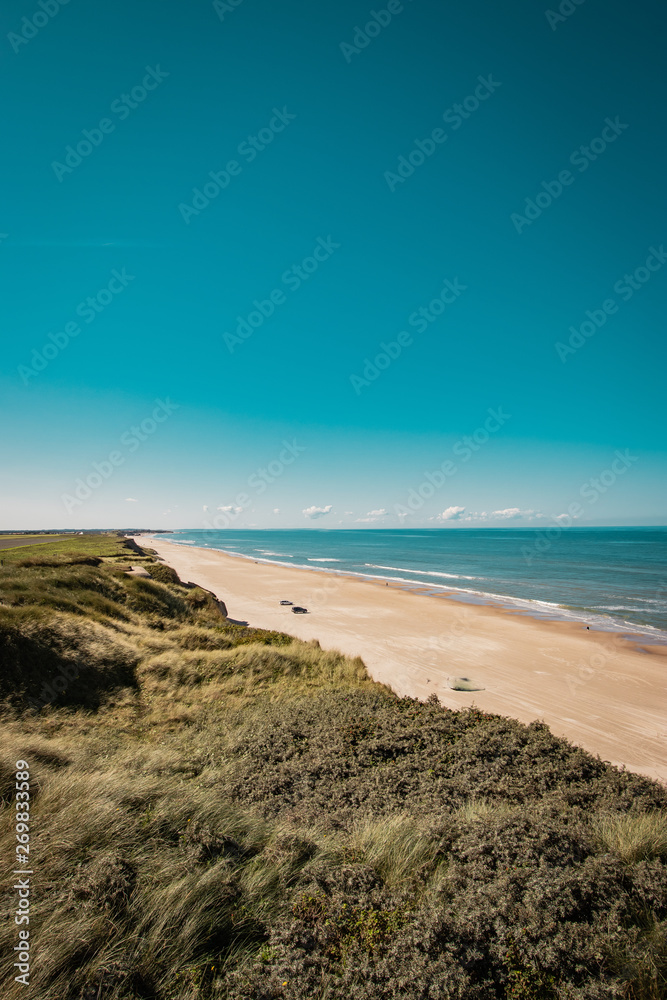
<point x="230" y="814"/>
<point x="105" y="546"/>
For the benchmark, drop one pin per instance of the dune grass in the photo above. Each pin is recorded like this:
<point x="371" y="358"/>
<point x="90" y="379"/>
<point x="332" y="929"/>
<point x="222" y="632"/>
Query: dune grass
<point x="634" y="837"/>
<point x="231" y="814"/>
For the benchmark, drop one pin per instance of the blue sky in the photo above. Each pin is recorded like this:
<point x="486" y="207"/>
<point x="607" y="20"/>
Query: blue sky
<point x="358" y="215"/>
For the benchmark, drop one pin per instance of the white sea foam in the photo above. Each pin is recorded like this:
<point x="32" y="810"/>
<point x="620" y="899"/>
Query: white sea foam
<point x="424" y="572"/>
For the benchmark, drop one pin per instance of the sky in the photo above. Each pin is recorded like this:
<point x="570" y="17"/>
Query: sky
<point x="308" y="265"/>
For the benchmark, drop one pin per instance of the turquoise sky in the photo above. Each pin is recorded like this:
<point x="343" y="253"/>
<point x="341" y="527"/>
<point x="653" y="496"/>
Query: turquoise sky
<point x="326" y="243"/>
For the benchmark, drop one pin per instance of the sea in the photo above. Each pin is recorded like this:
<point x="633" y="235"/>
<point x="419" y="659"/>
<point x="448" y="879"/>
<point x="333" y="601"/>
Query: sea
<point x="613" y="579"/>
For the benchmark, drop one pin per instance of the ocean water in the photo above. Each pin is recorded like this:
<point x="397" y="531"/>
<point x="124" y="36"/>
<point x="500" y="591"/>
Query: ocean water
<point x="609" y="578"/>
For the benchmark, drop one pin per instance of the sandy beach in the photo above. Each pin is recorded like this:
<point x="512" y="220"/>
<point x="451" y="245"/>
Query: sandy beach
<point x="596" y="689"/>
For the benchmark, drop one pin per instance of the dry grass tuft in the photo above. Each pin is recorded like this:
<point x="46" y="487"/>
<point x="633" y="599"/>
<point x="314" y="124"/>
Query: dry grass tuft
<point x="397" y="847"/>
<point x="633" y="837"/>
<point x="483" y="809"/>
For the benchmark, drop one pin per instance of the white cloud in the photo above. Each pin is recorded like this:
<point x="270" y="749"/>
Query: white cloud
<point x="314" y="512"/>
<point x="371" y="515"/>
<point x="451" y="514"/>
<point x="130" y="500"/>
<point x="565" y="517"/>
<point x="276" y="510"/>
<point x="229" y="509"/>
<point x="512" y="513"/>
<point x="205" y="507"/>
<point x="508" y="514"/>
<point x="348" y="513"/>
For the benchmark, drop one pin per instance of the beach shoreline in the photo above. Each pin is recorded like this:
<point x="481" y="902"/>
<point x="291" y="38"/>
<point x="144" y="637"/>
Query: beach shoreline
<point x="646" y="638"/>
<point x="603" y="691"/>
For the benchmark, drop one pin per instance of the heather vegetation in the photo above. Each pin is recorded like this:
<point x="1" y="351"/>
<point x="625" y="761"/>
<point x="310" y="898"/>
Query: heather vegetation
<point x="226" y="813"/>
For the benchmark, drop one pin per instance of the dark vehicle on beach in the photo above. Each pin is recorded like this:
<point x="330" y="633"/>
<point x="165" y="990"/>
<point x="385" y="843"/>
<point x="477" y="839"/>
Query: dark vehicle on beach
<point x="300" y="611"/>
<point x="285" y="602"/>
